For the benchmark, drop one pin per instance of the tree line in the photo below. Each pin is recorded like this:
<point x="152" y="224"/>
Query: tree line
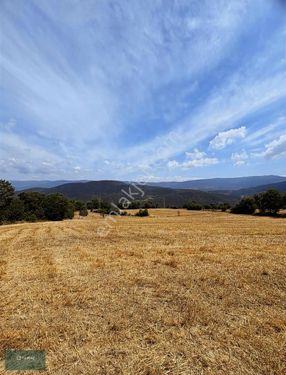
<point x="32" y="206"/>
<point x="35" y="206"/>
<point x="267" y="203"/>
<point x="194" y="206"/>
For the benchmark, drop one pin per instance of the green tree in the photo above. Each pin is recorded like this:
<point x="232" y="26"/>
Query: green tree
<point x="269" y="202"/>
<point x="15" y="211"/>
<point x="95" y="203"/>
<point x="284" y="200"/>
<point x="56" y="207"/>
<point x="246" y="206"/>
<point x="224" y="207"/>
<point x="33" y="203"/>
<point x="7" y="193"/>
<point x="192" y="206"/>
<point x="70" y="209"/>
<point x="79" y="205"/>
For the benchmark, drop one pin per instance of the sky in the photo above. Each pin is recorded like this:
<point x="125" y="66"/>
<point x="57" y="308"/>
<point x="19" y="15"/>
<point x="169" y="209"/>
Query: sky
<point x="142" y="90"/>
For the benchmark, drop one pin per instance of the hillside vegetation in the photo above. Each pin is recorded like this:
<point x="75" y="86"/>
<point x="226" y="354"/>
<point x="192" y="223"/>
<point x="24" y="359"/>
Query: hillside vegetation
<point x="114" y="190"/>
<point x="183" y="293"/>
<point x="230" y="183"/>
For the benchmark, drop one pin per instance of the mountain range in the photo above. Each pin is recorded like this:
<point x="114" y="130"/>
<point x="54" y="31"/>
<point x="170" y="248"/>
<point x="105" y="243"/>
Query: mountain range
<point x="280" y="186"/>
<point x="233" y="183"/>
<point x="28" y="184"/>
<point x="164" y="196"/>
<point x="209" y="184"/>
<point x="114" y="190"/>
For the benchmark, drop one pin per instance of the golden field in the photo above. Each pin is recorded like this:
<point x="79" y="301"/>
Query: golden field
<point x="199" y="293"/>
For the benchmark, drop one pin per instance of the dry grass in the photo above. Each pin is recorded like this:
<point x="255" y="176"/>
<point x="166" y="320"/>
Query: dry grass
<point x="199" y="293"/>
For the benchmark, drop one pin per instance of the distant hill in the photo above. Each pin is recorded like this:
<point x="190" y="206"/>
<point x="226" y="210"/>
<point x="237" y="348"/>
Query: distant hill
<point x="112" y="191"/>
<point x="212" y="184"/>
<point x="22" y="185"/>
<point x="280" y="186"/>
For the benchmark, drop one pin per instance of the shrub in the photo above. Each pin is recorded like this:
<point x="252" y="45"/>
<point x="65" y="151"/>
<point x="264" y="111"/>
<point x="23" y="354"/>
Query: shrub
<point x="135" y="204"/>
<point x="56" y="207"/>
<point x="224" y="206"/>
<point x="142" y="212"/>
<point x="33" y="203"/>
<point x="70" y="209"/>
<point x="105" y="206"/>
<point x="193" y="206"/>
<point x="94" y="204"/>
<point x="78" y="205"/>
<point x="83" y="211"/>
<point x="246" y="206"/>
<point x="31" y="218"/>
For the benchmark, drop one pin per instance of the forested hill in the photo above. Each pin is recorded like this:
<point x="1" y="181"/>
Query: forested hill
<point x="114" y="190"/>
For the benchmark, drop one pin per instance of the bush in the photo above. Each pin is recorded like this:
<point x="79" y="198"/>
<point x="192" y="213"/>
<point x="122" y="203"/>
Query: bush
<point x="246" y="206"/>
<point x="70" y="209"/>
<point x="33" y="203"/>
<point x="83" y="212"/>
<point x="224" y="207"/>
<point x="56" y="207"/>
<point x="142" y="212"/>
<point x="193" y="206"/>
<point x="135" y="204"/>
<point x="78" y="205"/>
<point x="32" y="218"/>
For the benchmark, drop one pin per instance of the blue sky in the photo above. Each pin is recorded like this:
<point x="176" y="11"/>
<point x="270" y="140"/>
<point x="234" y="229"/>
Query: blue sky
<point x="153" y="90"/>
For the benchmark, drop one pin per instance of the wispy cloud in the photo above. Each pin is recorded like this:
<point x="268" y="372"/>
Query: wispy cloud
<point x="276" y="148"/>
<point x="228" y="137"/>
<point x="194" y="159"/>
<point x="239" y="158"/>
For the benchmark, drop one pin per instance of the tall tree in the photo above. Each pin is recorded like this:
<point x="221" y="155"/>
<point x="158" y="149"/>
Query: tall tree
<point x="269" y="202"/>
<point x="7" y="193"/>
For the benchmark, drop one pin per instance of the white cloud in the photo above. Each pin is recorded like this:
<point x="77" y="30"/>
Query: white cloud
<point x="152" y="178"/>
<point x="228" y="137"/>
<point x="239" y="158"/>
<point x="195" y="158"/>
<point x="173" y="164"/>
<point x="276" y="149"/>
<point x="196" y="154"/>
<point x="224" y="107"/>
<point x="266" y="133"/>
<point x="203" y="162"/>
<point x="21" y="158"/>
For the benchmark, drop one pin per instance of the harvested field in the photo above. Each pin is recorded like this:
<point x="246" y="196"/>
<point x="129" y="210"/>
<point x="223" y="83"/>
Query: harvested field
<point x="199" y="293"/>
